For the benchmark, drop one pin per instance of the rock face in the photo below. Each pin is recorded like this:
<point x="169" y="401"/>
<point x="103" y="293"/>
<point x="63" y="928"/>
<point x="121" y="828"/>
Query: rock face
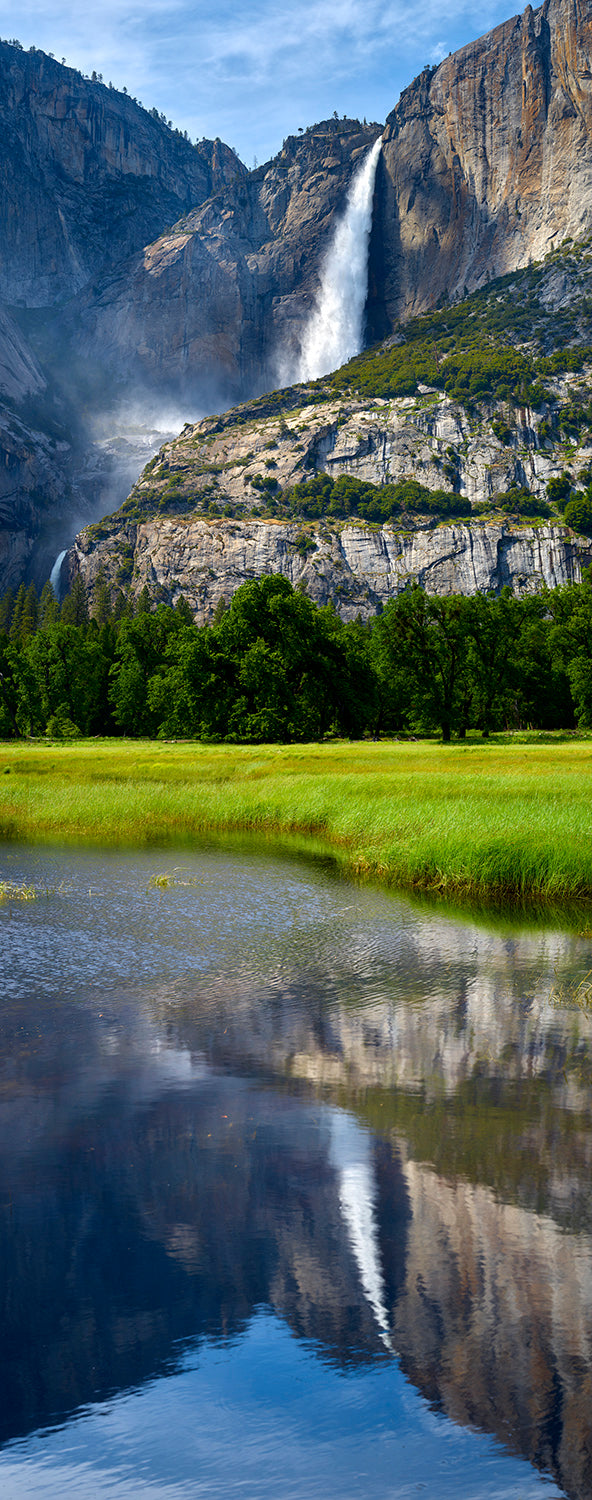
<point x="171" y="537"/>
<point x="486" y="162"/>
<point x="35" y="496"/>
<point x="428" y="437"/>
<point x="215" y="304"/>
<point x="87" y="177"/>
<point x="357" y="567"/>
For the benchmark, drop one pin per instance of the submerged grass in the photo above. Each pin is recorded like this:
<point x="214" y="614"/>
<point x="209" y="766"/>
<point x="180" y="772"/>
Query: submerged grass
<point x="11" y="891"/>
<point x="504" y="821"/>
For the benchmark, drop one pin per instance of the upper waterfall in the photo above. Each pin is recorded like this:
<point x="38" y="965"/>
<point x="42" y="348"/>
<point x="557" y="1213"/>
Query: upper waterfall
<point x="334" y="330"/>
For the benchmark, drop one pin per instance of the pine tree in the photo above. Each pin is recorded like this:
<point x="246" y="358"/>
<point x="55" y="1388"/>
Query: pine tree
<point x="17" y="614"/>
<point x="30" y="615"/>
<point x="6" y="608"/>
<point x="102" y="599"/>
<point x="74" y="609"/>
<point x="49" y="609"/>
<point x="121" y="609"/>
<point x="143" y="604"/>
<point x="183" y="610"/>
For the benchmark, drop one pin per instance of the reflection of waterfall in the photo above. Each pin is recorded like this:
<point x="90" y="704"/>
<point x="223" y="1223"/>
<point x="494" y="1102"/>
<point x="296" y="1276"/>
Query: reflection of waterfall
<point x="334" y="331"/>
<point x="54" y="576"/>
<point x="351" y="1156"/>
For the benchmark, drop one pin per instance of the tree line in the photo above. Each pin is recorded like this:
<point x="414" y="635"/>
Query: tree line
<point x="274" y="667"/>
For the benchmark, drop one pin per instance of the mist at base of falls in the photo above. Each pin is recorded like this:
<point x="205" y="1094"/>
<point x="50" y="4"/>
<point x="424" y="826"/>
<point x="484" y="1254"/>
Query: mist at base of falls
<point x="121" y="440"/>
<point x="120" y="443"/>
<point x="334" y="332"/>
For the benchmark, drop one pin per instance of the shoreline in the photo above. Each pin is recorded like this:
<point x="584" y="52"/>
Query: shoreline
<point x="502" y="825"/>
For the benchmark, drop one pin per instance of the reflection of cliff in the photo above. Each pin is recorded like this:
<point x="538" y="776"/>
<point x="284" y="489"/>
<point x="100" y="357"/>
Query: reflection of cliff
<point x="309" y="1098"/>
<point x="494" y="1323"/>
<point x="448" y="1038"/>
<point x="149" y="1201"/>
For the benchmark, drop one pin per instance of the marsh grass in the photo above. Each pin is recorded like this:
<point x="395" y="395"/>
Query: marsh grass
<point x="11" y="891"/>
<point x="504" y="822"/>
<point x="573" y="997"/>
<point x="171" y="879"/>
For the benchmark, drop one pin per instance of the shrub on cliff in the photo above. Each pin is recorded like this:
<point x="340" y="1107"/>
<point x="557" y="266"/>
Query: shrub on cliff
<point x="578" y="513"/>
<point x="347" y="496"/>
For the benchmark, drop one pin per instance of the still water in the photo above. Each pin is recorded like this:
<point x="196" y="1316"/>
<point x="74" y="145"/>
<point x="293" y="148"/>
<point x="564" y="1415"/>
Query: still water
<point x="294" y="1190"/>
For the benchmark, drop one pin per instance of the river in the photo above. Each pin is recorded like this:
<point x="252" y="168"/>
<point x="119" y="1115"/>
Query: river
<point x="295" y="1189"/>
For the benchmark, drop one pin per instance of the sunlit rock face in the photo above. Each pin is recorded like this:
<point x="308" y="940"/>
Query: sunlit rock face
<point x="486" y="161"/>
<point x="357" y="566"/>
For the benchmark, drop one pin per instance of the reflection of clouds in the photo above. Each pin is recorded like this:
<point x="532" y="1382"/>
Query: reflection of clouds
<point x="138" y="1063"/>
<point x="351" y="1154"/>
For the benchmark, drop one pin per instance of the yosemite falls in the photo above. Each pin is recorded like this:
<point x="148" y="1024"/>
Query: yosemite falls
<point x="334" y="330"/>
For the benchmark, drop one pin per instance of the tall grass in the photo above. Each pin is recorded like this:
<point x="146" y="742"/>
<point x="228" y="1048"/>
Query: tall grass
<point x="500" y="821"/>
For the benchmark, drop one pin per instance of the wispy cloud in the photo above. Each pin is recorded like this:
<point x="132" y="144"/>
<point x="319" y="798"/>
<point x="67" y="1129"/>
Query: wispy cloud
<point x="253" y="72"/>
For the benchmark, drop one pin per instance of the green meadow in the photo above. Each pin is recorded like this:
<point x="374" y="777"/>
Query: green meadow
<point x="502" y="822"/>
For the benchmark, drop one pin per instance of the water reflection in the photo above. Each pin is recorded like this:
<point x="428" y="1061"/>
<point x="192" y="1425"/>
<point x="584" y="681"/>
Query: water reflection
<point x="270" y="1091"/>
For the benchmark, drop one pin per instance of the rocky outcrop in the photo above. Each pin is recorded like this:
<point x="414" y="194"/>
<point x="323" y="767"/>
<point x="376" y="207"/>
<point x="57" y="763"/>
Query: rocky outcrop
<point x="357" y="567"/>
<point x="87" y="177"/>
<point x="486" y="162"/>
<point x="200" y="520"/>
<point x="232" y="460"/>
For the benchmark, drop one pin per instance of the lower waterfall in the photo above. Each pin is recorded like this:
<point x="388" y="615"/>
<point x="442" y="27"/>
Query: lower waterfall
<point x="334" y="331"/>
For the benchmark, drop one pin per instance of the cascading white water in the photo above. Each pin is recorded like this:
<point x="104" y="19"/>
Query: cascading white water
<point x="54" y="576"/>
<point x="334" y="332"/>
<point x="351" y="1156"/>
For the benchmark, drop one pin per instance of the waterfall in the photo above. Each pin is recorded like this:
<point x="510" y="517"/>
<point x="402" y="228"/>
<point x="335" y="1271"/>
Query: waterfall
<point x="54" y="576"/>
<point x="351" y="1156"/>
<point x="334" y="331"/>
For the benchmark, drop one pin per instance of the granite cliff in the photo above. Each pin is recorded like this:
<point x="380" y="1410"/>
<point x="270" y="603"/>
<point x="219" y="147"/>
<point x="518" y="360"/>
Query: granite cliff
<point x="87" y="177"/>
<point x="213" y="304"/>
<point x="210" y="512"/>
<point x="486" y="163"/>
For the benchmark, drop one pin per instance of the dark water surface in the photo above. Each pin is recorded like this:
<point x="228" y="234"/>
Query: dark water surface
<point x="294" y="1190"/>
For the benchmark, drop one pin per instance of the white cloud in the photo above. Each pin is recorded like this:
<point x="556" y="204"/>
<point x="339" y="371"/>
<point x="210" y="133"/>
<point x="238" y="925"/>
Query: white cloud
<point x="255" y="71"/>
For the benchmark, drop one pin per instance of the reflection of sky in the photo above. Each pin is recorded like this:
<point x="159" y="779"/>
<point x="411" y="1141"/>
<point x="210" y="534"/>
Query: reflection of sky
<point x="128" y="1010"/>
<point x="265" y="1418"/>
<point x="255" y="72"/>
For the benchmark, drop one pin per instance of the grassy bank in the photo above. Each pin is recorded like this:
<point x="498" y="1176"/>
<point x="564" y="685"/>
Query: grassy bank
<point x="498" y="821"/>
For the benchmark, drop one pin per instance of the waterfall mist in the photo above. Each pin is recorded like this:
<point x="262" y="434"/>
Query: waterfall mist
<point x="334" y="331"/>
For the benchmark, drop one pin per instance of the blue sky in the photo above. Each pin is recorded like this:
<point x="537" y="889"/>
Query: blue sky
<point x="252" y="72"/>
